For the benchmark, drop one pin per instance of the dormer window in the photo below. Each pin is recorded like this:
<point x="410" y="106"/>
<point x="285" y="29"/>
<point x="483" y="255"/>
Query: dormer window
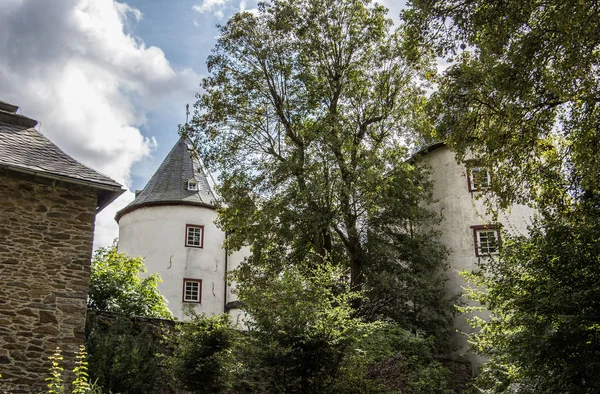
<point x="192" y="185"/>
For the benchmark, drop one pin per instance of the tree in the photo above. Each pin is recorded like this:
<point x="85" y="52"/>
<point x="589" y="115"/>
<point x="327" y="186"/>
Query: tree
<point x="306" y="115"/>
<point x="543" y="293"/>
<point x="522" y="96"/>
<point x="204" y="357"/>
<point x="302" y="330"/>
<point x="116" y="286"/>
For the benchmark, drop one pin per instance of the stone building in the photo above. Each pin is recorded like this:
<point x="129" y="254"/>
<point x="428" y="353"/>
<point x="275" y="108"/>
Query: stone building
<point x="171" y="224"/>
<point x="466" y="229"/>
<point x="48" y="205"/>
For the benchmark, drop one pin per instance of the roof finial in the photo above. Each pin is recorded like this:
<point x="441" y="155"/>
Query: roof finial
<point x="187" y="112"/>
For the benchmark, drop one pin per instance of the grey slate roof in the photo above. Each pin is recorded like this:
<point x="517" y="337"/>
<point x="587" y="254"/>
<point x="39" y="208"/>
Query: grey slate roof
<point x="168" y="185"/>
<point x="425" y="147"/>
<point x="24" y="149"/>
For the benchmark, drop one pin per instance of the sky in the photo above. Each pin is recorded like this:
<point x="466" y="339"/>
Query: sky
<point x="108" y="81"/>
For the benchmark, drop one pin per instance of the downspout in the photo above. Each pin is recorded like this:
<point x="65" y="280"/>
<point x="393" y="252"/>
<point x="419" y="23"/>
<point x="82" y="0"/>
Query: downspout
<point x="225" y="279"/>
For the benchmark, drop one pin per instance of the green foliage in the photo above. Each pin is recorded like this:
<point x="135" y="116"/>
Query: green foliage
<point x="411" y="294"/>
<point x="545" y="331"/>
<point x="81" y="383"/>
<point x="116" y="286"/>
<point x="522" y="97"/>
<point x="305" y="115"/>
<point x="302" y="337"/>
<point x="401" y="362"/>
<point x="124" y="354"/>
<point x="203" y="359"/>
<point x="55" y="381"/>
<point x="302" y="332"/>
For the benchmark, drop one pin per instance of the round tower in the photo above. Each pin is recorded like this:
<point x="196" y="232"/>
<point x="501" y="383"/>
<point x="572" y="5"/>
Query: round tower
<point x="171" y="224"/>
<point x="466" y="229"/>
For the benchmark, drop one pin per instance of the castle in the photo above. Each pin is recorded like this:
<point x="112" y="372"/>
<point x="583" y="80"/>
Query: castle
<point x="171" y="225"/>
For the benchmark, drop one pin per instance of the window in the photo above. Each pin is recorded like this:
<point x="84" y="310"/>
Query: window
<point x="486" y="240"/>
<point x="192" y="290"/>
<point x="479" y="178"/>
<point x="194" y="236"/>
<point x="192" y="184"/>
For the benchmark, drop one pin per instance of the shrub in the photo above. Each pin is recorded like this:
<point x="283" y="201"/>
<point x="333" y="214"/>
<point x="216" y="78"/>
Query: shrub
<point x="203" y="361"/>
<point x="124" y="355"/>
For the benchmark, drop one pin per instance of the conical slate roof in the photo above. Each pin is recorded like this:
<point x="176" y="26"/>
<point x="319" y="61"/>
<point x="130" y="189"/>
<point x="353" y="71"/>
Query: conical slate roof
<point x="169" y="184"/>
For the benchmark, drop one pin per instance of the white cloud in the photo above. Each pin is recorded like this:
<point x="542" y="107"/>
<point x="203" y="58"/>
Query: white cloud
<point x="394" y="6"/>
<point x="208" y="5"/>
<point x="124" y="9"/>
<point x="222" y="8"/>
<point x="244" y="7"/>
<point x="72" y="66"/>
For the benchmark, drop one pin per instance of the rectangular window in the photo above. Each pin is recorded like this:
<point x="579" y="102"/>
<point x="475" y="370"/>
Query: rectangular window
<point x="192" y="290"/>
<point x="479" y="178"/>
<point x="486" y="240"/>
<point x="192" y="185"/>
<point x="194" y="236"/>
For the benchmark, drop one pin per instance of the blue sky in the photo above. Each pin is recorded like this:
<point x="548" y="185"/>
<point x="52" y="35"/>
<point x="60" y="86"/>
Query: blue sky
<point x="109" y="80"/>
<point x="187" y="37"/>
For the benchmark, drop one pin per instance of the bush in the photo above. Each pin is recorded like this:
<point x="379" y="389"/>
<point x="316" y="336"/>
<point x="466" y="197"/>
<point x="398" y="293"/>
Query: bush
<point x="124" y="355"/>
<point x="203" y="359"/>
<point x="399" y="361"/>
<point x="116" y="285"/>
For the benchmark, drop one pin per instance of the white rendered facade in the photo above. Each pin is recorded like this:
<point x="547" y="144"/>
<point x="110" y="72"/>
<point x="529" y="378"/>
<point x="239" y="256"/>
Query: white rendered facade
<point x="462" y="227"/>
<point x="171" y="225"/>
<point x="155" y="227"/>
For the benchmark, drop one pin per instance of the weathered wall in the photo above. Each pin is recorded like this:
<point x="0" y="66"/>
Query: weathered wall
<point x="46" y="234"/>
<point x="461" y="209"/>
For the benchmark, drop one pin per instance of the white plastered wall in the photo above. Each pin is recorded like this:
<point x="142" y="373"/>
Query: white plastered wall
<point x="237" y="315"/>
<point x="158" y="234"/>
<point x="461" y="209"/>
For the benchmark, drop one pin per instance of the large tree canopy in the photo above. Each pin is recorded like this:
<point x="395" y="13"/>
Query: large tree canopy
<point x="306" y="114"/>
<point x="524" y="95"/>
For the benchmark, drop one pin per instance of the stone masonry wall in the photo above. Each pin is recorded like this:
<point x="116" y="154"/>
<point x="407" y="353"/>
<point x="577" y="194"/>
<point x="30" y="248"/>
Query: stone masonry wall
<point x="46" y="234"/>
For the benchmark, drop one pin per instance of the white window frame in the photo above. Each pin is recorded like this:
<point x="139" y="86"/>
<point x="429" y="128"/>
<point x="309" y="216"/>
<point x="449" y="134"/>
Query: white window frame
<point x="194" y="236"/>
<point x="474" y="178"/>
<point x="483" y="245"/>
<point x="192" y="291"/>
<point x="192" y="185"/>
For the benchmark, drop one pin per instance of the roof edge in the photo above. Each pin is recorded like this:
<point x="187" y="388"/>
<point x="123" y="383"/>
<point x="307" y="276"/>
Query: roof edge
<point x="16" y="119"/>
<point x="106" y="195"/>
<point x="51" y="175"/>
<point x="131" y="208"/>
<point x="8" y="107"/>
<point x="421" y="150"/>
